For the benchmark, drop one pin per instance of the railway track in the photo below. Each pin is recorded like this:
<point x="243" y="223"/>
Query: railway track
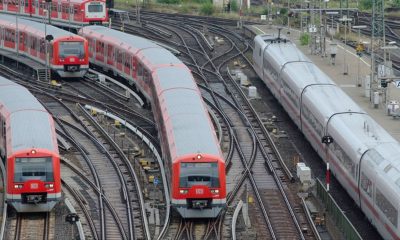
<point x="120" y="213"/>
<point x="26" y="225"/>
<point x="249" y="148"/>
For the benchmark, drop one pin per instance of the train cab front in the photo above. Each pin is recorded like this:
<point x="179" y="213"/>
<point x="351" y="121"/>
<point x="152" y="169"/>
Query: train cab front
<point x="33" y="182"/>
<point x="96" y="13"/>
<point x="199" y="186"/>
<point x="71" y="58"/>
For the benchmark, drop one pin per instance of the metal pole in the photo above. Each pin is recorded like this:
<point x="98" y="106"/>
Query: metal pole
<point x="288" y="24"/>
<point x="69" y="15"/>
<point x="359" y="60"/>
<point x="17" y="33"/>
<point x="45" y="44"/>
<point x="344" y="49"/>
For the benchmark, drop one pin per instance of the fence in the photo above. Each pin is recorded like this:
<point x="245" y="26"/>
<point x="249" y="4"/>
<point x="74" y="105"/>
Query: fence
<point x="336" y="214"/>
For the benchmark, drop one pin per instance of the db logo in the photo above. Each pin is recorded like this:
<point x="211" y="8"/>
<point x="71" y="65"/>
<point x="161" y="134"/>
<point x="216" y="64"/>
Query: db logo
<point x="199" y="191"/>
<point x="72" y="60"/>
<point x="34" y="186"/>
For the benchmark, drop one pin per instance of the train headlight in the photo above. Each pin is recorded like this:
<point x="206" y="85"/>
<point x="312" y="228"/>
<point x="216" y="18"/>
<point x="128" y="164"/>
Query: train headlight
<point x="214" y="191"/>
<point x="183" y="191"/>
<point x="33" y="151"/>
<point x="18" y="186"/>
<point x="49" y="185"/>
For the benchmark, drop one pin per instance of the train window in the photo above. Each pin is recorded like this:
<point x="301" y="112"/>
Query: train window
<point x="42" y="46"/>
<point x="386" y="207"/>
<point x="134" y="61"/>
<point x="33" y="169"/>
<point x="95" y="7"/>
<point x="140" y="70"/>
<point x="127" y="61"/>
<point x="346" y="161"/>
<point x="110" y="51"/>
<point x="67" y="49"/>
<point x="145" y="76"/>
<point x="192" y="174"/>
<point x="119" y="56"/>
<point x="366" y="184"/>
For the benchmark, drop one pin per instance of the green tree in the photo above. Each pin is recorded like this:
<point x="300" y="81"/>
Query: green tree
<point x="169" y="1"/>
<point x="396" y="3"/>
<point x="234" y="6"/>
<point x="366" y="4"/>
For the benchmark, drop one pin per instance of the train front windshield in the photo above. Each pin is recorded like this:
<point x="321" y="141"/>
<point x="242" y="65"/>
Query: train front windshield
<point x="192" y="174"/>
<point x="67" y="49"/>
<point x="33" y="169"/>
<point x="95" y="8"/>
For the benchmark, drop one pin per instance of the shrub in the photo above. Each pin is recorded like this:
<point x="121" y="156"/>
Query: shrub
<point x="304" y="39"/>
<point x="169" y="1"/>
<point x="234" y="6"/>
<point x="366" y="4"/>
<point x="207" y="8"/>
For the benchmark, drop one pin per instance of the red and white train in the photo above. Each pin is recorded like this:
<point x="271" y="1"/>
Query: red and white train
<point x="66" y="12"/>
<point x="362" y="155"/>
<point x="68" y="52"/>
<point x="196" y="167"/>
<point x="28" y="146"/>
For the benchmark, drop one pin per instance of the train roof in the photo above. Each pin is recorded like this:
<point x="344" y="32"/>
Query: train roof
<point x="192" y="129"/>
<point x="122" y="39"/>
<point x="31" y="125"/>
<point x="33" y="27"/>
<point x="184" y="113"/>
<point x="81" y="1"/>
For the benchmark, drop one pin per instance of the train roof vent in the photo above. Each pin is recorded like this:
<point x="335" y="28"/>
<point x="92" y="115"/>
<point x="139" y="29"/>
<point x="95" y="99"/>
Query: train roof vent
<point x="387" y="168"/>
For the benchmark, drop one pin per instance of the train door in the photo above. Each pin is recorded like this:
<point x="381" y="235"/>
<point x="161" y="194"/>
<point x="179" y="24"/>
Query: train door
<point x="40" y="7"/>
<point x="21" y="42"/>
<point x="33" y="46"/>
<point x="119" y="59"/>
<point x="70" y="12"/>
<point x="78" y="15"/>
<point x="42" y="47"/>
<point x="59" y="10"/>
<point x="9" y="39"/>
<point x="134" y="67"/>
<point x="127" y="64"/>
<point x="21" y="8"/>
<point x="64" y="11"/>
<point x="110" y="54"/>
<point x="99" y="51"/>
<point x="91" y="43"/>
<point x="1" y="4"/>
<point x="54" y="7"/>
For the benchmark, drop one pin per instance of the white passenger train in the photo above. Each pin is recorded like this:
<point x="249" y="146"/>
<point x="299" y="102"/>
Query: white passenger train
<point x="363" y="156"/>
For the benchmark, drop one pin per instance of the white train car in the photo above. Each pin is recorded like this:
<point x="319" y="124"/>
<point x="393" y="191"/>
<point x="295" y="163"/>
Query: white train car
<point x="363" y="156"/>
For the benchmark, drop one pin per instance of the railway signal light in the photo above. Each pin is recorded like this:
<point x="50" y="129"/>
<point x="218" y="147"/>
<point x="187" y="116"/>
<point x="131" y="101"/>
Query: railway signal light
<point x="327" y="139"/>
<point x="383" y="83"/>
<point x="72" y="218"/>
<point x="49" y="38"/>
